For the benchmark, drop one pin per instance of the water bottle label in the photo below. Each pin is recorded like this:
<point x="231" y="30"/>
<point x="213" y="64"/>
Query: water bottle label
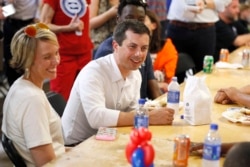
<point x="173" y="97"/>
<point x="141" y="121"/>
<point x="211" y="152"/>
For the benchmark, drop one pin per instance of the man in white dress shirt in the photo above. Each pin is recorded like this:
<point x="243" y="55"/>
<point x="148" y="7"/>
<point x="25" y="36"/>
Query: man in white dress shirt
<point x="106" y="91"/>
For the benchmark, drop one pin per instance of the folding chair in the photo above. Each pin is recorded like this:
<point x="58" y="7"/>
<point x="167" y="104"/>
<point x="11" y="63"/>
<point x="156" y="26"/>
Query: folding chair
<point x="11" y="151"/>
<point x="185" y="67"/>
<point x="57" y="102"/>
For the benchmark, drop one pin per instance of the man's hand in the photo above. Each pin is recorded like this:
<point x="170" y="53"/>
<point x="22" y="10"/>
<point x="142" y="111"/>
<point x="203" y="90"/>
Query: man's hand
<point x="161" y="116"/>
<point x="222" y="97"/>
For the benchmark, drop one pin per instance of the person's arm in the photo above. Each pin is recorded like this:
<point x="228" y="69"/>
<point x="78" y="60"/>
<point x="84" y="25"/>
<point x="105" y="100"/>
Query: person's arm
<point x="163" y="86"/>
<point x="222" y="98"/>
<point x="152" y="85"/>
<point x="161" y="116"/>
<point x="104" y="48"/>
<point x="126" y="118"/>
<point x="98" y="20"/>
<point x="42" y="154"/>
<point x="35" y="123"/>
<point x="196" y="148"/>
<point x="154" y="89"/>
<point x="1" y="13"/>
<point x="47" y="15"/>
<point x="218" y="5"/>
<point x="238" y="97"/>
<point x="245" y="89"/>
<point x="233" y="95"/>
<point x="209" y="4"/>
<point x="242" y="40"/>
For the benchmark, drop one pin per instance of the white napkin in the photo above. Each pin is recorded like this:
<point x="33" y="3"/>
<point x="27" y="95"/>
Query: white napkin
<point x="221" y="64"/>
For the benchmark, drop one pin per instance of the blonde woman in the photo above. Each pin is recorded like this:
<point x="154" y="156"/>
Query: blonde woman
<point x="28" y="118"/>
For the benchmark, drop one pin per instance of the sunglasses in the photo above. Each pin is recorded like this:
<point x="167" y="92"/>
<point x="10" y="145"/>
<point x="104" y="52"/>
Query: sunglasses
<point x="142" y="2"/>
<point x="31" y="30"/>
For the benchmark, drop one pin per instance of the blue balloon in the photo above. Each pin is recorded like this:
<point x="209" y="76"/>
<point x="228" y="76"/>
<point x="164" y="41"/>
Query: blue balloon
<point x="138" y="158"/>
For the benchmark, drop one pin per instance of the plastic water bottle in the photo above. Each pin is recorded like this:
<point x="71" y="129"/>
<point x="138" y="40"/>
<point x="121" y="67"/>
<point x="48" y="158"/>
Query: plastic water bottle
<point x="141" y="116"/>
<point x="212" y="148"/>
<point x="173" y="96"/>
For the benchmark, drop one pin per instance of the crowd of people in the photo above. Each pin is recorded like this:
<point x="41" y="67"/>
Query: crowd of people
<point x="88" y="48"/>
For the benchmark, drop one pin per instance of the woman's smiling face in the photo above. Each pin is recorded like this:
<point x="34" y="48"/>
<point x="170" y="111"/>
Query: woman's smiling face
<point x="45" y="63"/>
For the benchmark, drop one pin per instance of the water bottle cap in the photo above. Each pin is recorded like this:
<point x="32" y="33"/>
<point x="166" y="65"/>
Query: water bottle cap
<point x="141" y="101"/>
<point x="213" y="126"/>
<point x="174" y="78"/>
<point x="182" y="117"/>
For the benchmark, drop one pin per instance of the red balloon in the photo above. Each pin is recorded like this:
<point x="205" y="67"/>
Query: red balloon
<point x="149" y="136"/>
<point x="144" y="134"/>
<point x="135" y="138"/>
<point x="149" y="154"/>
<point x="130" y="148"/>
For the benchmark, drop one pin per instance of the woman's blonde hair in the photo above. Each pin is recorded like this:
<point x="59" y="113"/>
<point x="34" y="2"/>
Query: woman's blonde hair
<point x="23" y="46"/>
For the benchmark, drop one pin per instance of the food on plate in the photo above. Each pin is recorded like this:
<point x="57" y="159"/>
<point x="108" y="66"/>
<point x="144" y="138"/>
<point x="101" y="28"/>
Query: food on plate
<point x="245" y="111"/>
<point x="152" y="104"/>
<point x="236" y="115"/>
<point x="162" y="101"/>
<point x="159" y="102"/>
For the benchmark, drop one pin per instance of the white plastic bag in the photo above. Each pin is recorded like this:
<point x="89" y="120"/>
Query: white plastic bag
<point x="197" y="101"/>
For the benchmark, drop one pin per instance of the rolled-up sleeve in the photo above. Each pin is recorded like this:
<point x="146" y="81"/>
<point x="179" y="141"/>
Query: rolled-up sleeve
<point x="95" y="107"/>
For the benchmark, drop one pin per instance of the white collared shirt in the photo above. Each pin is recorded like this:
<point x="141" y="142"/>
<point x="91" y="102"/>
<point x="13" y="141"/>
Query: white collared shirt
<point x="179" y="11"/>
<point x="97" y="97"/>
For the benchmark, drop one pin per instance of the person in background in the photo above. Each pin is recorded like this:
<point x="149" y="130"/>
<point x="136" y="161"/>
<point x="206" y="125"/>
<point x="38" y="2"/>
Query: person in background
<point x="244" y="15"/>
<point x="159" y="7"/>
<point x="70" y="21"/>
<point x="134" y="9"/>
<point x="27" y="12"/>
<point x="1" y="13"/>
<point x="168" y="3"/>
<point x="91" y="105"/>
<point x="28" y="118"/>
<point x="163" y="52"/>
<point x="238" y="155"/>
<point x="233" y="95"/>
<point x="196" y="148"/>
<point x="192" y="27"/>
<point x="102" y="20"/>
<point x="230" y="33"/>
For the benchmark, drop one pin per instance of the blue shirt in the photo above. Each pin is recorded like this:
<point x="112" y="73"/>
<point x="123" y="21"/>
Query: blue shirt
<point x="146" y="69"/>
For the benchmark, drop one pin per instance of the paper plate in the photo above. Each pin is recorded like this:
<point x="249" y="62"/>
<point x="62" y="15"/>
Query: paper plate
<point x="234" y="115"/>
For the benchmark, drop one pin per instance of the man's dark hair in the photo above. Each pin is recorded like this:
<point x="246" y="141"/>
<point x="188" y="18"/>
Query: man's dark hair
<point x="238" y="155"/>
<point x="124" y="3"/>
<point x="134" y="25"/>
